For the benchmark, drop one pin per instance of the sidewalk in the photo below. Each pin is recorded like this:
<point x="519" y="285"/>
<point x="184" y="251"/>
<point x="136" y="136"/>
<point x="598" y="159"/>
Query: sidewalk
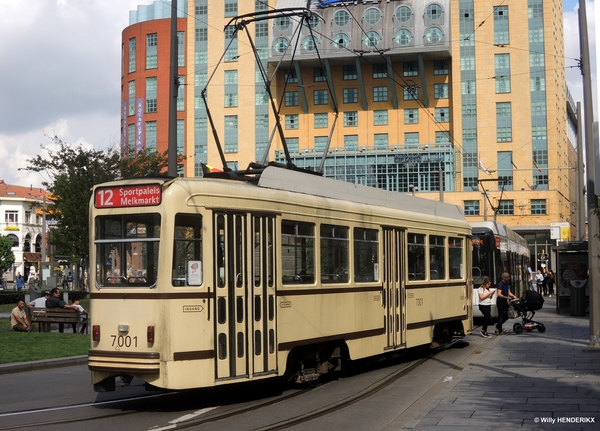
<point x="532" y="381"/>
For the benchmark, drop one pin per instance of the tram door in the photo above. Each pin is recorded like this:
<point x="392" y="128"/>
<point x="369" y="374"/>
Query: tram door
<point x="393" y="287"/>
<point x="245" y="294"/>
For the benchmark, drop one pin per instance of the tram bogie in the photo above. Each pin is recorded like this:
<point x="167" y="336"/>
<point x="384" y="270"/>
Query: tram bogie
<point x="200" y="282"/>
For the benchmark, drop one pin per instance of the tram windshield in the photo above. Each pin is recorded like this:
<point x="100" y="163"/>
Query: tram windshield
<point x="127" y="250"/>
<point x="485" y="256"/>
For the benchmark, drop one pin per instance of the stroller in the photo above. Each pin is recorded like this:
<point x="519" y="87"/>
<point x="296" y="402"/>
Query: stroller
<point x="525" y="307"/>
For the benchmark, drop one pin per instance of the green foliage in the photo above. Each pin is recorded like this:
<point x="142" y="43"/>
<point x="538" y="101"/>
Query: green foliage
<point x="11" y="297"/>
<point x="7" y="257"/>
<point x="72" y="171"/>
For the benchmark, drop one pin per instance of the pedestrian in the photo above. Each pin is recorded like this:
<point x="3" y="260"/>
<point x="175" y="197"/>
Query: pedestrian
<point x="41" y="303"/>
<point x="485" y="304"/>
<point x="83" y="317"/>
<point x="55" y="302"/>
<point x="18" y="318"/>
<point x="20" y="282"/>
<point x="70" y="281"/>
<point x="504" y="294"/>
<point x="550" y="282"/>
<point x="539" y="280"/>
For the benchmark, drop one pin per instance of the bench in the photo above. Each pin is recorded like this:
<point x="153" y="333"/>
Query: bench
<point x="69" y="316"/>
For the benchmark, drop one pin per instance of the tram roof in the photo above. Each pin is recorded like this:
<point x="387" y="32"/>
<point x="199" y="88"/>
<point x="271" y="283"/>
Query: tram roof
<point x="298" y="182"/>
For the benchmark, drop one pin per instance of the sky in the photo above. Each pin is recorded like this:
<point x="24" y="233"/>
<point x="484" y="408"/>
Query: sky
<point x="60" y="72"/>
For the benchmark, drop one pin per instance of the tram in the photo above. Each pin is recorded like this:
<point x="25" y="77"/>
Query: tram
<point x="498" y="249"/>
<point x="199" y="282"/>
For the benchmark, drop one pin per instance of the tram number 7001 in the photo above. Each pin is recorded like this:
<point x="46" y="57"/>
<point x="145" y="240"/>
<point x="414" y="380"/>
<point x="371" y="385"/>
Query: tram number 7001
<point x="124" y="341"/>
<point x="419" y="302"/>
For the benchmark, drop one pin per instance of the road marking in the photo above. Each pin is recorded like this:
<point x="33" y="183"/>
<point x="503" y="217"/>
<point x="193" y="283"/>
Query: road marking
<point x="192" y="415"/>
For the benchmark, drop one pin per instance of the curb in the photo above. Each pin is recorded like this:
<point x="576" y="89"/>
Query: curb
<point x="45" y="364"/>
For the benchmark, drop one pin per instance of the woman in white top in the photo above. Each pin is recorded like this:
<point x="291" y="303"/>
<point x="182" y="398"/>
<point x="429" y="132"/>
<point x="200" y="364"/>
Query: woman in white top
<point x="485" y="304"/>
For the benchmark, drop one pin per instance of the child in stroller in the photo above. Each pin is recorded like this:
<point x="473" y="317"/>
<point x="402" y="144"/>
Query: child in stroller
<point x="525" y="307"/>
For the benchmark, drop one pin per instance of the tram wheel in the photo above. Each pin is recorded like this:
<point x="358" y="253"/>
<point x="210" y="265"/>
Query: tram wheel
<point x="541" y="328"/>
<point x="518" y="328"/>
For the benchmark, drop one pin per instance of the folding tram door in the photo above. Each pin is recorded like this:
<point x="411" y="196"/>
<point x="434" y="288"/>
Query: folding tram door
<point x="245" y="294"/>
<point x="393" y="287"/>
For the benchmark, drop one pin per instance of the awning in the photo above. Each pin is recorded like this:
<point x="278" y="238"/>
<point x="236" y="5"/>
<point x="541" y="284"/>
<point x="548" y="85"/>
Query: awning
<point x="32" y="257"/>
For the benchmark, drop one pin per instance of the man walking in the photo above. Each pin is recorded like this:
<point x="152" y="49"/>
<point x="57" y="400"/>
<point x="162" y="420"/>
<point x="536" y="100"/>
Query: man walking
<point x="504" y="294"/>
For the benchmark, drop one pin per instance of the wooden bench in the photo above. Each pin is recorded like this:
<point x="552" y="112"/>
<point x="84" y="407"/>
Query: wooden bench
<point x="68" y="316"/>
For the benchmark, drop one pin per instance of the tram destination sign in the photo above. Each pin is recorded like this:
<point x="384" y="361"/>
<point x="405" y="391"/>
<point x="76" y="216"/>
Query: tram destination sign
<point x="141" y="195"/>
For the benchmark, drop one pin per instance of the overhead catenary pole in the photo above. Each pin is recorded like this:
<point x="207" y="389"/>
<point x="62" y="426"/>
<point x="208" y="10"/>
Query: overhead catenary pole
<point x="592" y="199"/>
<point x="580" y="208"/>
<point x="173" y="90"/>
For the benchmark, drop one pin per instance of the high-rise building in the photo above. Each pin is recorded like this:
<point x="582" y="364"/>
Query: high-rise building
<point x="463" y="97"/>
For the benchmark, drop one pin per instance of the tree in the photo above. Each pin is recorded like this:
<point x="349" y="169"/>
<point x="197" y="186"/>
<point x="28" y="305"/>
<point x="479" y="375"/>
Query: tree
<point x="72" y="171"/>
<point x="7" y="257"/>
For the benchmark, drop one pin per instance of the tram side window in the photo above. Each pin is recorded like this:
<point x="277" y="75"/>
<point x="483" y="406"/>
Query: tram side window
<point x="127" y="250"/>
<point x="455" y="250"/>
<point x="334" y="254"/>
<point x="366" y="255"/>
<point x="298" y="252"/>
<point x="416" y="256"/>
<point x="187" y="250"/>
<point x="437" y="257"/>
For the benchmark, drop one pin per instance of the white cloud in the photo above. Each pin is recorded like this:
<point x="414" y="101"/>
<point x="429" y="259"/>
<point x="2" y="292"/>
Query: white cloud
<point x="572" y="51"/>
<point x="60" y="75"/>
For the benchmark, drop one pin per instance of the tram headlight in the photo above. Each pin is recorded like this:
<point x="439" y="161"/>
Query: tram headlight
<point x="150" y="334"/>
<point x="96" y="332"/>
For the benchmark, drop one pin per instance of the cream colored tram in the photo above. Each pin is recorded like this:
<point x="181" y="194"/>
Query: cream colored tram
<point x="199" y="282"/>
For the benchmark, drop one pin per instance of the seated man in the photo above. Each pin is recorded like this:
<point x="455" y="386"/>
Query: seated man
<point x="18" y="318"/>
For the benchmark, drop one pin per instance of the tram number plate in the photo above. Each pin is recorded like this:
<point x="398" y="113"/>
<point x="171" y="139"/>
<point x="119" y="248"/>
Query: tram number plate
<point x="419" y="302"/>
<point x="142" y="195"/>
<point x="119" y="341"/>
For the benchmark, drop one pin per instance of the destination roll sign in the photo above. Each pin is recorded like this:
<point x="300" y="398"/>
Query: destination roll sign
<point x="143" y="195"/>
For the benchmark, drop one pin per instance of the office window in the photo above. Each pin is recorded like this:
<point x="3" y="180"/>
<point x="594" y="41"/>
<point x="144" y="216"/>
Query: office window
<point x="180" y="137"/>
<point x="351" y="119"/>
<point x="320" y="97"/>
<point x="380" y="118"/>
<point x="411" y="92"/>
<point x="320" y="143"/>
<point x="411" y="139"/>
<point x="440" y="91"/>
<point x="181" y="94"/>
<point x="350" y="73"/>
<point x="319" y="74"/>
<point x="440" y="67"/>
<point x="506" y="207"/>
<point x="293" y="144"/>
<point x="231" y="42"/>
<point x="403" y="37"/>
<point x="151" y="51"/>
<point x="505" y="170"/>
<point x="434" y="11"/>
<point x="410" y="68"/>
<point x="501" y="34"/>
<point x="231" y="7"/>
<point x="231" y="88"/>
<point x="341" y="18"/>
<point x="180" y="49"/>
<point x="350" y="95"/>
<point x="351" y="142"/>
<point x="538" y="207"/>
<point x="201" y="34"/>
<point x="434" y="35"/>
<point x="371" y="39"/>
<point x="442" y="137"/>
<point x="380" y="70"/>
<point x="131" y="55"/>
<point x="151" y="86"/>
<point x="442" y="115"/>
<point x="131" y="100"/>
<point x="502" y="75"/>
<point x="471" y="208"/>
<point x="380" y="140"/>
<point x="291" y="98"/>
<point x="291" y="121"/>
<point x="380" y="94"/>
<point x="321" y="120"/>
<point x="411" y="116"/>
<point x="290" y="76"/>
<point x="231" y="133"/>
<point x="503" y="122"/>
